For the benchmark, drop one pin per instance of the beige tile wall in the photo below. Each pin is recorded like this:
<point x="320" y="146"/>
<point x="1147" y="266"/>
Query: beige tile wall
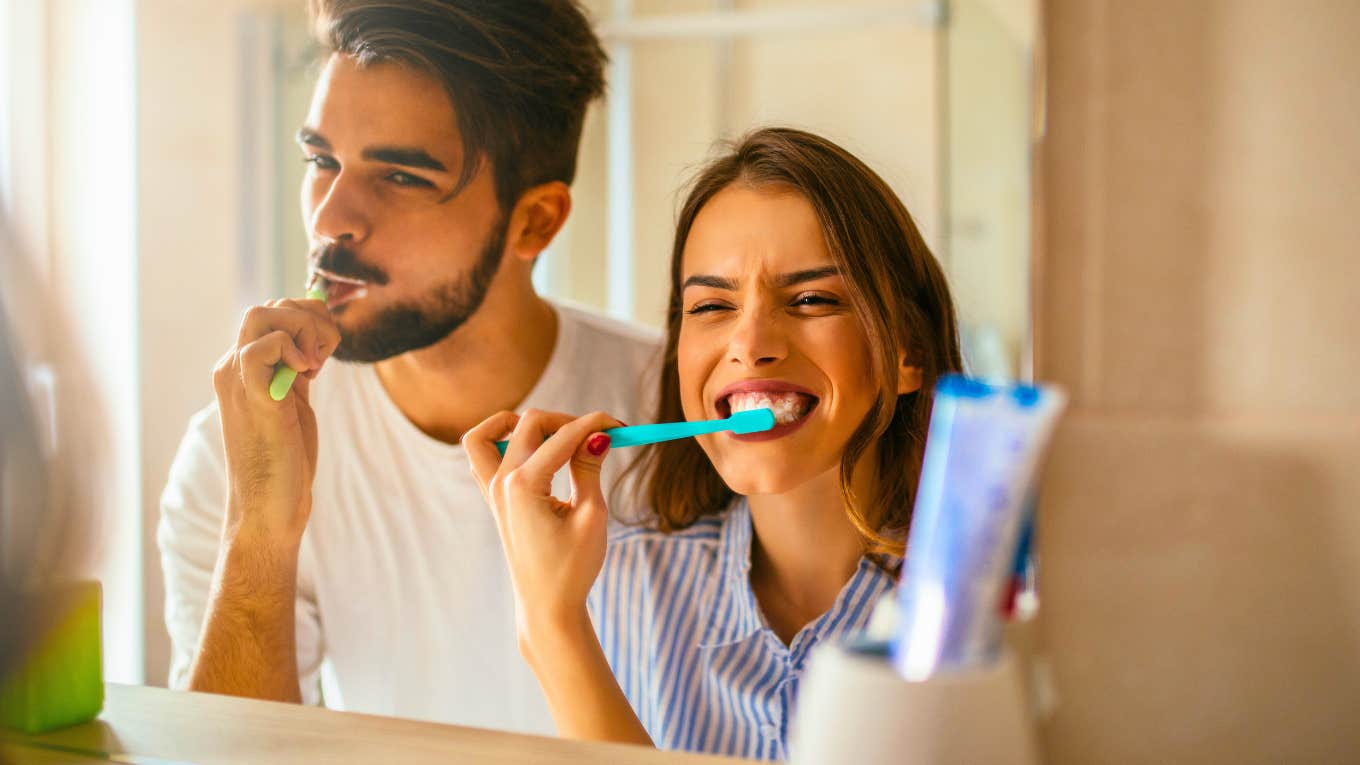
<point x="188" y="197"/>
<point x="1200" y="530"/>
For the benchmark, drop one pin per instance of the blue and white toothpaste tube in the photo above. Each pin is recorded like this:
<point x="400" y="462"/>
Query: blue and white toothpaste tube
<point x="982" y="453"/>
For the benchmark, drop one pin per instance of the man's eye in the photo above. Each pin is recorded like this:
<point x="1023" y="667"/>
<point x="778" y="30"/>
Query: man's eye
<point x="320" y="162"/>
<point x="406" y="179"/>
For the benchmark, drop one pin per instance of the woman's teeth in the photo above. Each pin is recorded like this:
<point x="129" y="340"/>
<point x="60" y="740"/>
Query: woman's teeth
<point x="787" y="407"/>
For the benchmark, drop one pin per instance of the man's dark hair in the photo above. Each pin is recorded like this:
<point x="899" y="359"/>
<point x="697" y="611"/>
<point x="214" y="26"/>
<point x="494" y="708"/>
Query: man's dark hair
<point x="520" y="74"/>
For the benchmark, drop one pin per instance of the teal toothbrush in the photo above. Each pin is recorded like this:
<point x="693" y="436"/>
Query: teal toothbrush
<point x="284" y="375"/>
<point x="753" y="421"/>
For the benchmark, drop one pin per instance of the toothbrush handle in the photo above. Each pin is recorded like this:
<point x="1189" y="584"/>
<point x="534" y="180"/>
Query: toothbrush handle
<point x="284" y="375"/>
<point x="641" y="435"/>
<point x="282" y="381"/>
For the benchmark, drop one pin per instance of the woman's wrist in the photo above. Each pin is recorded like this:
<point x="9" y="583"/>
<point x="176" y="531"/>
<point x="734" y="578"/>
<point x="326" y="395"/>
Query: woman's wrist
<point x="548" y="634"/>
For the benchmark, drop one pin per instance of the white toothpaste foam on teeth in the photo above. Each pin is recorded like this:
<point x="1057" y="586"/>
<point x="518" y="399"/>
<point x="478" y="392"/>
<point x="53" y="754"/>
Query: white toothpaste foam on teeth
<point x="787" y="407"/>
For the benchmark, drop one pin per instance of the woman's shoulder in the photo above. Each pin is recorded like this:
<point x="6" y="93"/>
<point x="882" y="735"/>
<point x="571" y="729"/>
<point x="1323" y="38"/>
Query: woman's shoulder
<point x="706" y="530"/>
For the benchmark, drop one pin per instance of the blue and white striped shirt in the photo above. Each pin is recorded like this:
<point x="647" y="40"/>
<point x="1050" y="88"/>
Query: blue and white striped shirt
<point x="685" y="637"/>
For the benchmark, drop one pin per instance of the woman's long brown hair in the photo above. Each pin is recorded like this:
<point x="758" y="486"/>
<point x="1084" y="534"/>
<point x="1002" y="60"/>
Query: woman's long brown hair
<point x="898" y="293"/>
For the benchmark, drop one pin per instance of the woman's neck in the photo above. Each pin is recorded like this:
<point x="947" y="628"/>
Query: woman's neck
<point x="803" y="551"/>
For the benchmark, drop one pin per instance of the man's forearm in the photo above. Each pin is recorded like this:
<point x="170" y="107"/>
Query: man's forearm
<point x="249" y="647"/>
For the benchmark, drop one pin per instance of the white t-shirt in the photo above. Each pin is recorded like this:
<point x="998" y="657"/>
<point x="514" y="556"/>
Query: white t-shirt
<point x="404" y="602"/>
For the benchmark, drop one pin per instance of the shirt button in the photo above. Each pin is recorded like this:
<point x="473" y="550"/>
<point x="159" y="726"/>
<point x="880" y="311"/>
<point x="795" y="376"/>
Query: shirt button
<point x="770" y="732"/>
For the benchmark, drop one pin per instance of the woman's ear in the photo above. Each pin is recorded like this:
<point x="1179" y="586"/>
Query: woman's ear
<point x="538" y="215"/>
<point x="908" y="377"/>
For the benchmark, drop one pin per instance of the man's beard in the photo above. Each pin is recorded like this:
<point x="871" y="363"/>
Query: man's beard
<point x="422" y="323"/>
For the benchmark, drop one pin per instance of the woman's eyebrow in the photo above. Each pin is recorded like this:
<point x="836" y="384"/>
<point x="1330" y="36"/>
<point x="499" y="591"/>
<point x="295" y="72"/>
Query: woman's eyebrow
<point x="708" y="280"/>
<point x="783" y="280"/>
<point x="807" y="275"/>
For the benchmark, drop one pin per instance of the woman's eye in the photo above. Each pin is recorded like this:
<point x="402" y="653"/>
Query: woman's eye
<point x="703" y="308"/>
<point x="813" y="299"/>
<point x="320" y="162"/>
<point x="406" y="179"/>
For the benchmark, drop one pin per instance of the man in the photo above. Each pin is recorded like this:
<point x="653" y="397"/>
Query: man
<point x="441" y="140"/>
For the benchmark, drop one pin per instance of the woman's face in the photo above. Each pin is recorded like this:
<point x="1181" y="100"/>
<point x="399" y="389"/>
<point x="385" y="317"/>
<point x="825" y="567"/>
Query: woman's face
<point x="767" y="323"/>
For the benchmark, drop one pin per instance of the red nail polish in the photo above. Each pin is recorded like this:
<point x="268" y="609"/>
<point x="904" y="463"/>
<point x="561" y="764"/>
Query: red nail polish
<point x="597" y="444"/>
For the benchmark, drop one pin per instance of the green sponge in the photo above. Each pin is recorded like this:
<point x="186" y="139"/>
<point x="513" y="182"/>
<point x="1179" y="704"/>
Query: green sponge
<point x="61" y="680"/>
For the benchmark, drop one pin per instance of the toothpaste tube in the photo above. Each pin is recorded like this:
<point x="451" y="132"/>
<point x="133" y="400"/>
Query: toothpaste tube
<point x="1020" y="582"/>
<point x="982" y="453"/>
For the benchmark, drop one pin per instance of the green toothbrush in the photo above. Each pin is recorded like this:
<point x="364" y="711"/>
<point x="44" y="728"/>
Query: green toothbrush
<point x="284" y="375"/>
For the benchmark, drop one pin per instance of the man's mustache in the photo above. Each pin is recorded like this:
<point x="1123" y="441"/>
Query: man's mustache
<point x="341" y="261"/>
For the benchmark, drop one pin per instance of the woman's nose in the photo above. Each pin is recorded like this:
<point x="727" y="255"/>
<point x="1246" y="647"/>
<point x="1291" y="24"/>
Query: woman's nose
<point x="757" y="339"/>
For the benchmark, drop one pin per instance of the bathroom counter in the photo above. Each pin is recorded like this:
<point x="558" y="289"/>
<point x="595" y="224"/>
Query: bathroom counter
<point x="155" y="726"/>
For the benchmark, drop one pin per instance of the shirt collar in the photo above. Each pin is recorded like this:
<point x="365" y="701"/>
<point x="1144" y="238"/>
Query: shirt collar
<point x="733" y="613"/>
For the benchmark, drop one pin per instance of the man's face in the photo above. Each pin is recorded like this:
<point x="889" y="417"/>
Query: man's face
<point x="407" y="261"/>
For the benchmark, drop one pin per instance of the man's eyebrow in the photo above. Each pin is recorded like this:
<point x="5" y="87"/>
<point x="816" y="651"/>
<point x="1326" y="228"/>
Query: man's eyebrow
<point x="309" y="137"/>
<point x="708" y="280"/>
<point x="406" y="156"/>
<point x="807" y="275"/>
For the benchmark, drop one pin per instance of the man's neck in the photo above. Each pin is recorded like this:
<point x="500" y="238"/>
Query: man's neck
<point x="489" y="364"/>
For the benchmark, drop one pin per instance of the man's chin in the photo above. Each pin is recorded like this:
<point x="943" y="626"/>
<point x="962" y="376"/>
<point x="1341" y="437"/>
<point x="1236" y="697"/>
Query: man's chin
<point x="391" y="334"/>
<point x="364" y="348"/>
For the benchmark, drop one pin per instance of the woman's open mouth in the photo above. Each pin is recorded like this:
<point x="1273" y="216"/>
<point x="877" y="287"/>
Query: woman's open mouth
<point x="791" y="405"/>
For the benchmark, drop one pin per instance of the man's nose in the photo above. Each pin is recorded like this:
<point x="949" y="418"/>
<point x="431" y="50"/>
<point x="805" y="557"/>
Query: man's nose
<point x="339" y="215"/>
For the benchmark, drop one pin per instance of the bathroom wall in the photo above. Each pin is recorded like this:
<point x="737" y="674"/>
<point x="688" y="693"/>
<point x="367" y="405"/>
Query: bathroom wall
<point x="189" y="205"/>
<point x="1195" y="291"/>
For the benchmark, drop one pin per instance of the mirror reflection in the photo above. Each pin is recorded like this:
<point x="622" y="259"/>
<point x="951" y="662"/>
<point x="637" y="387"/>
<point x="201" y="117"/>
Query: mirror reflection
<point x="413" y="246"/>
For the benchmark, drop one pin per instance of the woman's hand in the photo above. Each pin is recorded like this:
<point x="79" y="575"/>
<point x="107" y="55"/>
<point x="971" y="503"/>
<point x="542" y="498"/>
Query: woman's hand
<point x="554" y="547"/>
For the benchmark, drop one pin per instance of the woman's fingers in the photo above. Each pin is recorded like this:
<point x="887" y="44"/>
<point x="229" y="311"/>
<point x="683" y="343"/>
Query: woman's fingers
<point x="587" y="495"/>
<point x="533" y="428"/>
<point x="540" y="444"/>
<point x="568" y="439"/>
<point x="480" y="445"/>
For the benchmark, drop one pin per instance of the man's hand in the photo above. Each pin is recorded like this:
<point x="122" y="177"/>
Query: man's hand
<point x="248" y="646"/>
<point x="271" y="445"/>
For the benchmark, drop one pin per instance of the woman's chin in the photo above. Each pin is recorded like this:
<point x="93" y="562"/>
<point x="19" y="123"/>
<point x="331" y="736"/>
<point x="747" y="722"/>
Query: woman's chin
<point x="752" y="478"/>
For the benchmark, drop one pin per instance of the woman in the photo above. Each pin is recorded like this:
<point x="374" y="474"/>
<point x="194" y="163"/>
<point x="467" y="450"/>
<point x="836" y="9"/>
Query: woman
<point x="798" y="283"/>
